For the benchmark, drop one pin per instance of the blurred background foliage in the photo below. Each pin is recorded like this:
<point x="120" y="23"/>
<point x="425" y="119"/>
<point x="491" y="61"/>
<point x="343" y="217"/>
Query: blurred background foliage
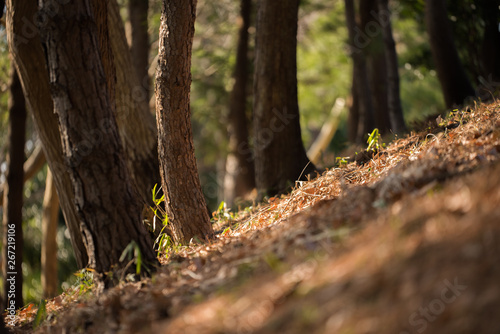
<point x="324" y="74"/>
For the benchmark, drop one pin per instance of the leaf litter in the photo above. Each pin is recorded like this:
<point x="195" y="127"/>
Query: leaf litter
<point x="406" y="242"/>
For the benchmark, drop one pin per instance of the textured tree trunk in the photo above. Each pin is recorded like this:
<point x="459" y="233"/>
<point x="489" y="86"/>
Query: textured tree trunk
<point x="107" y="205"/>
<point x="185" y="204"/>
<point x="361" y="84"/>
<point x="13" y="208"/>
<point x="50" y="213"/>
<point x="394" y="97"/>
<point x="29" y="60"/>
<point x="240" y="172"/>
<point x="136" y="123"/>
<point x="454" y="82"/>
<point x="280" y="157"/>
<point x="139" y="48"/>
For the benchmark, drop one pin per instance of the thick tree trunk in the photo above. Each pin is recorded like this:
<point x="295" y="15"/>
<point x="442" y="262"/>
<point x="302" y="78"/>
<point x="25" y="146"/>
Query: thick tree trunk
<point x="139" y="48"/>
<point x="280" y="157"/>
<point x="454" y="82"/>
<point x="29" y="60"/>
<point x="358" y="41"/>
<point x="136" y="123"/>
<point x="49" y="233"/>
<point x="13" y="208"/>
<point x="395" y="109"/>
<point x="185" y="204"/>
<point x="107" y="205"/>
<point x="240" y="172"/>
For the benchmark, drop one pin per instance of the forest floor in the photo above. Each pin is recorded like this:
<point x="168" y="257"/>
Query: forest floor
<point x="407" y="242"/>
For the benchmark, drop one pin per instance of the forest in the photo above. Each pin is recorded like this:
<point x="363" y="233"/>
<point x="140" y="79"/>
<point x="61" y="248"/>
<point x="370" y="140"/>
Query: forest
<point x="249" y="166"/>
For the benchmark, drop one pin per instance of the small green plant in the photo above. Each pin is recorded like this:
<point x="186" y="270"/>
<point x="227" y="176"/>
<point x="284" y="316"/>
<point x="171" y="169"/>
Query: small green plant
<point x="374" y="141"/>
<point x="41" y="314"/>
<point x="133" y="252"/>
<point x="158" y="210"/>
<point x="341" y="161"/>
<point x="223" y="213"/>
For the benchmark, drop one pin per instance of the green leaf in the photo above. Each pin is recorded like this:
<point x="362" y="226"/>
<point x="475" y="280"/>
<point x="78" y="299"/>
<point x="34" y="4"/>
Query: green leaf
<point x="40" y="314"/>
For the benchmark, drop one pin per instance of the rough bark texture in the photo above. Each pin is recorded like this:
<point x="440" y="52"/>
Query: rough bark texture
<point x="50" y="217"/>
<point x="107" y="205"/>
<point x="362" y="94"/>
<point x="240" y="172"/>
<point x="139" y="48"/>
<point x="136" y="123"/>
<point x="454" y="82"/>
<point x="394" y="97"/>
<point x="29" y="60"/>
<point x="13" y="209"/>
<point x="185" y="204"/>
<point x="280" y="157"/>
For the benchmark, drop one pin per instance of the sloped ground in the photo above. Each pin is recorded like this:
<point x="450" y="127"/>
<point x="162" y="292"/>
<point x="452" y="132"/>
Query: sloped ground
<point x="409" y="242"/>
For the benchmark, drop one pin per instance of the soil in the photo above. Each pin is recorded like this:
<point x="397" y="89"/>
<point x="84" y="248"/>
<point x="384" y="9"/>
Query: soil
<point x="407" y="241"/>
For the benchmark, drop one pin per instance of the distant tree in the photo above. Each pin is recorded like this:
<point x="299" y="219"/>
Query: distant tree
<point x="50" y="217"/>
<point x="106" y="202"/>
<point x="454" y="82"/>
<point x="376" y="65"/>
<point x="12" y="241"/>
<point x="185" y="204"/>
<point x="139" y="47"/>
<point x="490" y="48"/>
<point x="395" y="109"/>
<point x="240" y="172"/>
<point x="361" y="114"/>
<point x="280" y="157"/>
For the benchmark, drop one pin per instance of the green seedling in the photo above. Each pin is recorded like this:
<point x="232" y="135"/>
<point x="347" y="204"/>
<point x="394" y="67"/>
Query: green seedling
<point x="374" y="141"/>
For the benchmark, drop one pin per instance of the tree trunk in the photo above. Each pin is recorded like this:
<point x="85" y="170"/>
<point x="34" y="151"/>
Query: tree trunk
<point x="185" y="204"/>
<point x="13" y="208"/>
<point x="395" y="109"/>
<point x="139" y="48"/>
<point x="29" y="60"/>
<point x="240" y="172"/>
<point x="454" y="82"/>
<point x="358" y="41"/>
<point x="136" y="123"/>
<point x="107" y="205"/>
<point x="280" y="157"/>
<point x="49" y="234"/>
<point x="490" y="49"/>
<point x="376" y="66"/>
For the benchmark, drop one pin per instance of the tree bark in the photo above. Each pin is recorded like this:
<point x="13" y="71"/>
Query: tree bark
<point x="107" y="205"/>
<point x="357" y="42"/>
<point x="50" y="212"/>
<point x="139" y="48"/>
<point x="454" y="82"/>
<point x="28" y="56"/>
<point x="280" y="157"/>
<point x="490" y="49"/>
<point x="13" y="197"/>
<point x="376" y="65"/>
<point x="136" y="123"/>
<point x="240" y="172"/>
<point x="394" y="97"/>
<point x="185" y="204"/>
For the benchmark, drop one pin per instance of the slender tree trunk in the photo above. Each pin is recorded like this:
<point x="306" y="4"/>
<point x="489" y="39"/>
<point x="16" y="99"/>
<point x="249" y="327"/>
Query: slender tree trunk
<point x="376" y="65"/>
<point x="136" y="123"/>
<point x="138" y="15"/>
<point x="240" y="172"/>
<point x="108" y="207"/>
<point x="358" y="41"/>
<point x="13" y="197"/>
<point x="395" y="108"/>
<point x="454" y="82"/>
<point x="50" y="213"/>
<point x="29" y="60"/>
<point x="185" y="204"/>
<point x="280" y="157"/>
